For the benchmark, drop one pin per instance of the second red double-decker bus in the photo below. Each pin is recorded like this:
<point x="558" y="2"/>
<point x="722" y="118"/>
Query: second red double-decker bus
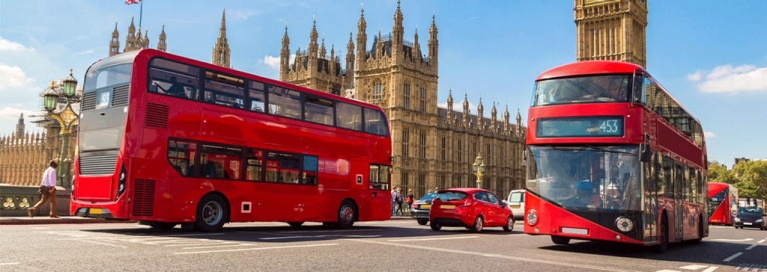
<point x="165" y="140"/>
<point x="722" y="203"/>
<point x="613" y="157"/>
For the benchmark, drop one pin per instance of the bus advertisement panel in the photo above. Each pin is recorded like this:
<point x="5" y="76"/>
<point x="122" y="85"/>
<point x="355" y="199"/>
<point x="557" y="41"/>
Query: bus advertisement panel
<point x="613" y="157"/>
<point x="167" y="140"/>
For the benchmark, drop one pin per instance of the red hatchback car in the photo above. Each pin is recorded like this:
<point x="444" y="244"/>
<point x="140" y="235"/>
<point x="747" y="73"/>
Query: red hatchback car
<point x="472" y="208"/>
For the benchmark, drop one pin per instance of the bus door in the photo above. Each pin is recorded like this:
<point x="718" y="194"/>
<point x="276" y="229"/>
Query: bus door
<point x="678" y="184"/>
<point x="377" y="191"/>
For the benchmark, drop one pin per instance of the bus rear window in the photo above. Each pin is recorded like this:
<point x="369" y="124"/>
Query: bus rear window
<point x="107" y="76"/>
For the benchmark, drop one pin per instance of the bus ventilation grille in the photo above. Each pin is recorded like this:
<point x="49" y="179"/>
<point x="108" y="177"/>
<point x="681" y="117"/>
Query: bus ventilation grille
<point x="143" y="197"/>
<point x="156" y="115"/>
<point x="120" y="97"/>
<point x="89" y="101"/>
<point x="97" y="165"/>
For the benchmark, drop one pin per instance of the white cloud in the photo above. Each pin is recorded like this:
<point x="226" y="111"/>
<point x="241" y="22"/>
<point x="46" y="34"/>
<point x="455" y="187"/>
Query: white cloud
<point x="709" y="134"/>
<point x="9" y="46"/>
<point x="273" y="62"/>
<point x="729" y="79"/>
<point x="86" y="52"/>
<point x="12" y="77"/>
<point x="9" y="117"/>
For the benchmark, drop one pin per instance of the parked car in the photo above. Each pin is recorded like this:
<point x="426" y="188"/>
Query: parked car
<point x="472" y="208"/>
<point x="516" y="202"/>
<point x="420" y="208"/>
<point x="752" y="217"/>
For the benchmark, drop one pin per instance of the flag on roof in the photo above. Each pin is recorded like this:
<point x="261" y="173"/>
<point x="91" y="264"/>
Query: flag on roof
<point x="131" y="2"/>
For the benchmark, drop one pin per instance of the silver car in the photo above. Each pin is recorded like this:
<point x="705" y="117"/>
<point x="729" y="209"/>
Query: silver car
<point x="420" y="208"/>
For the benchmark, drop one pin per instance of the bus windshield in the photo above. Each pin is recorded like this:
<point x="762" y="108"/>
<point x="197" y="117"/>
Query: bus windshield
<point x="586" y="177"/>
<point x="585" y="89"/>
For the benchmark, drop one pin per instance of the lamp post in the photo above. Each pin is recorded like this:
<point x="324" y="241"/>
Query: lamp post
<point x="67" y="118"/>
<point x="478" y="168"/>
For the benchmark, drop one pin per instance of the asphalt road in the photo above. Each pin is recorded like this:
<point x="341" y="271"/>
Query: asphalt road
<point x="397" y="245"/>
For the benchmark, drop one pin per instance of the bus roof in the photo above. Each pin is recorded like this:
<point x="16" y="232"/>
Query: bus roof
<point x="583" y="68"/>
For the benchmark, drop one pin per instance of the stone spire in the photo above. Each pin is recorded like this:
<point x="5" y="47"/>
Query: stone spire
<point x="161" y="44"/>
<point x="506" y="124"/>
<point x="416" y="46"/>
<point x="466" y="110"/>
<point x="313" y="46"/>
<point x="494" y="117"/>
<point x="450" y="106"/>
<point x="362" y="39"/>
<point x="114" y="45"/>
<point x="519" y="123"/>
<point x="130" y="39"/>
<point x="20" y="127"/>
<point x="145" y="41"/>
<point x="323" y="52"/>
<point x="480" y="115"/>
<point x="398" y="31"/>
<point x="349" y="78"/>
<point x="433" y="43"/>
<point x="221" y="52"/>
<point x="285" y="56"/>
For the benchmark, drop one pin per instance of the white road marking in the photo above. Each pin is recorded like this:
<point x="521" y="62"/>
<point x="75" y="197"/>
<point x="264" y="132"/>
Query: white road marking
<point x="666" y="270"/>
<point x="694" y="267"/>
<point x="761" y="241"/>
<point x="710" y="269"/>
<point x="316" y="231"/>
<point x="103" y="244"/>
<point x="9" y="263"/>
<point x="752" y="246"/>
<point x="733" y="257"/>
<point x="319" y="236"/>
<point x="201" y="244"/>
<point x="256" y="248"/>
<point x="474" y="253"/>
<point x="432" y="239"/>
<point x="734" y="240"/>
<point x="214" y="246"/>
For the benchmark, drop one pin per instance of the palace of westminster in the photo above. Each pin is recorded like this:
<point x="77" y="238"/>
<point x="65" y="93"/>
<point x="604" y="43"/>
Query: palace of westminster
<point x="432" y="146"/>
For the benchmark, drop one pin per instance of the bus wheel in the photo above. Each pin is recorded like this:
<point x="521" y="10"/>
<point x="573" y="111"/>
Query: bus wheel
<point x="663" y="243"/>
<point x="211" y="213"/>
<point x="700" y="232"/>
<point x="161" y="226"/>
<point x="559" y="240"/>
<point x="295" y="224"/>
<point x="479" y="223"/>
<point x="509" y="224"/>
<point x="346" y="215"/>
<point x="423" y="222"/>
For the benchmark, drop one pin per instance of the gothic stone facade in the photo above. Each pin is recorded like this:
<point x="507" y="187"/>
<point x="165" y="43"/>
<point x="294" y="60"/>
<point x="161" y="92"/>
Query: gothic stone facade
<point x="432" y="146"/>
<point x="611" y="30"/>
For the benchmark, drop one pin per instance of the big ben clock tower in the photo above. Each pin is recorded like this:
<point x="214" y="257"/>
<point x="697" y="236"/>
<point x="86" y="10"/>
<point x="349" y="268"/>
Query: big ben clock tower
<point x="611" y="30"/>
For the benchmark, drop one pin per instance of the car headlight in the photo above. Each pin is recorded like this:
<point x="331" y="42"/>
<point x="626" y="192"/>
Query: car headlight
<point x="624" y="224"/>
<point x="532" y="217"/>
<point x="737" y="219"/>
<point x="758" y="220"/>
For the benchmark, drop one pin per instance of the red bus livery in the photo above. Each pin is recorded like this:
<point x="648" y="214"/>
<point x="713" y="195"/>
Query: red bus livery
<point x="722" y="203"/>
<point x="613" y="157"/>
<point x="166" y="140"/>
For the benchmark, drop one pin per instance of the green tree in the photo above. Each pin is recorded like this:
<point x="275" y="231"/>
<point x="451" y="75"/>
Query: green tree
<point x="752" y="178"/>
<point x="719" y="173"/>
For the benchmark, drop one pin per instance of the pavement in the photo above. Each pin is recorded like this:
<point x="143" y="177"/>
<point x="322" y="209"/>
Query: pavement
<point x="65" y="219"/>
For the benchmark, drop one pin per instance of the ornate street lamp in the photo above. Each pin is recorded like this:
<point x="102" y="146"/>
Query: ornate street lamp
<point x="478" y="168"/>
<point x="67" y="118"/>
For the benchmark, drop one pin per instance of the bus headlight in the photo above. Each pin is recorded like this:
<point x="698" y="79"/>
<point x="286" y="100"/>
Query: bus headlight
<point x="532" y="217"/>
<point x="121" y="181"/>
<point x="624" y="224"/>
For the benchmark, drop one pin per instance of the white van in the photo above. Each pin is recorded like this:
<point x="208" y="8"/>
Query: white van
<point x="516" y="202"/>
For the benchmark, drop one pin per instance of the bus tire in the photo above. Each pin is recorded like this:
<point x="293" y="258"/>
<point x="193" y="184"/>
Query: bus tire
<point x="559" y="240"/>
<point x="346" y="215"/>
<point x="509" y="224"/>
<point x="161" y="226"/>
<point x="212" y="213"/>
<point x="295" y="224"/>
<point x="663" y="240"/>
<point x="479" y="224"/>
<point x="700" y="232"/>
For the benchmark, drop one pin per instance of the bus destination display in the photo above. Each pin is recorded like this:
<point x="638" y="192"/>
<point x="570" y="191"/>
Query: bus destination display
<point x="597" y="126"/>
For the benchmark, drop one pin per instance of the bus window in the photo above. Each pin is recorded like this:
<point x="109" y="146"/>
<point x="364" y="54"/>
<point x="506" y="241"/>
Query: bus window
<point x="282" y="167"/>
<point x="257" y="96"/>
<point x="220" y="162"/>
<point x="181" y="156"/>
<point x="311" y="166"/>
<point x="318" y="110"/>
<point x="172" y="78"/>
<point x="254" y="160"/>
<point x="375" y="122"/>
<point x="379" y="176"/>
<point x="224" y="90"/>
<point x="284" y="102"/>
<point x="349" y="116"/>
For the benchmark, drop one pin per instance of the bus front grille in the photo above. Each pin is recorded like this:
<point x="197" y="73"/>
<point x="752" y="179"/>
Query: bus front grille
<point x="143" y="197"/>
<point x="97" y="165"/>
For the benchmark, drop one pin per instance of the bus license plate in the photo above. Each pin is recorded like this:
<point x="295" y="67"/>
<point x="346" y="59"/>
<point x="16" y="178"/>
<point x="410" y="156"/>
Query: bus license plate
<point x="447" y="207"/>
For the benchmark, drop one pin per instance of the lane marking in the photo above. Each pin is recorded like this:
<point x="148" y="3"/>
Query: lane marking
<point x="734" y="240"/>
<point x="206" y="247"/>
<point x="9" y="263"/>
<point x="256" y="248"/>
<point x="694" y="267"/>
<point x="201" y="244"/>
<point x="761" y="241"/>
<point x="432" y="239"/>
<point x="319" y="236"/>
<point x="491" y="255"/>
<point x="332" y="231"/>
<point x="103" y="244"/>
<point x="752" y="246"/>
<point x="733" y="257"/>
<point x="710" y="269"/>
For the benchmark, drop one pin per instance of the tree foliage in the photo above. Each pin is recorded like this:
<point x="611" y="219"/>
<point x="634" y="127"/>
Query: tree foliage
<point x="749" y="177"/>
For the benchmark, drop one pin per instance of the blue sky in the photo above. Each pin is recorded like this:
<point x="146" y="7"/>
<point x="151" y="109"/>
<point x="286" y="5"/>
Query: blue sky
<point x="711" y="55"/>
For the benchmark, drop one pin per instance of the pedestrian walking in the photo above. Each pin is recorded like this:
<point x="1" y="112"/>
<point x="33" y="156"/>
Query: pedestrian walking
<point x="393" y="200"/>
<point x="409" y="200"/>
<point x="47" y="190"/>
<point x="398" y="200"/>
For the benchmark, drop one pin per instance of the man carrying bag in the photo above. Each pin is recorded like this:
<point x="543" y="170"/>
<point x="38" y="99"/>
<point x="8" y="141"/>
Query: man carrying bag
<point x="47" y="190"/>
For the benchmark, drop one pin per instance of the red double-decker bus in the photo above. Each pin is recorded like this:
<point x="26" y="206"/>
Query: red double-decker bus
<point x="165" y="140"/>
<point x="722" y="203"/>
<point x="613" y="157"/>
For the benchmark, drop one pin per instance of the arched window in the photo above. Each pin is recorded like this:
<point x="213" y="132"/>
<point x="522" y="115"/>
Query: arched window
<point x="377" y="90"/>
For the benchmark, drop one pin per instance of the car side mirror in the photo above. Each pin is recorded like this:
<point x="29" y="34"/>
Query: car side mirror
<point x="504" y="203"/>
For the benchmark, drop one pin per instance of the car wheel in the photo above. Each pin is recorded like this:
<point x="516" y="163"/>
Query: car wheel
<point x="346" y="215"/>
<point x="479" y="224"/>
<point x="435" y="226"/>
<point x="295" y="224"/>
<point x="211" y="213"/>
<point x="559" y="240"/>
<point x="509" y="224"/>
<point x="423" y="222"/>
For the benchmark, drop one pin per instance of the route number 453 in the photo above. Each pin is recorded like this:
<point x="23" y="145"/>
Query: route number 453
<point x="609" y="126"/>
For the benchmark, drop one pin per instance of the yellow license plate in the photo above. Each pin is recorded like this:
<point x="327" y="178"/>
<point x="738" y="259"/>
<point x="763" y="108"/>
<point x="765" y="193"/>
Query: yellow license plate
<point x="425" y="206"/>
<point x="515" y="206"/>
<point x="447" y="207"/>
<point x="95" y="211"/>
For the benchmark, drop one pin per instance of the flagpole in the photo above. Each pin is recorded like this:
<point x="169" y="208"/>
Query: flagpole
<point x="140" y="13"/>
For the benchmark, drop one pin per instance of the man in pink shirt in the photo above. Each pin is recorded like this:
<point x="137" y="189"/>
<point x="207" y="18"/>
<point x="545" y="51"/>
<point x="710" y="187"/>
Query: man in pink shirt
<point x="48" y="190"/>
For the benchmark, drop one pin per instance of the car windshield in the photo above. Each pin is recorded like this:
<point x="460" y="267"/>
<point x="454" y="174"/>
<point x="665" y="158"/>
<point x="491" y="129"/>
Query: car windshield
<point x="750" y="211"/>
<point x="451" y="195"/>
<point x="429" y="196"/>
